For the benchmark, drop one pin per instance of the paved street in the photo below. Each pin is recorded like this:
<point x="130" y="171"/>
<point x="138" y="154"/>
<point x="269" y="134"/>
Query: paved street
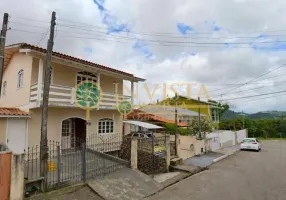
<point x="244" y="176"/>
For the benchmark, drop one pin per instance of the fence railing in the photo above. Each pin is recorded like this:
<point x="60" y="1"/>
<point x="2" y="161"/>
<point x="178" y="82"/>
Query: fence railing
<point x="65" y="95"/>
<point x="78" y="163"/>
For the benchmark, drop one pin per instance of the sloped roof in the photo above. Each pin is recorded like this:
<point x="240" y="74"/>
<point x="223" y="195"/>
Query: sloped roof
<point x="143" y="124"/>
<point x="71" y="58"/>
<point x="140" y="115"/>
<point x="4" y="111"/>
<point x="170" y="110"/>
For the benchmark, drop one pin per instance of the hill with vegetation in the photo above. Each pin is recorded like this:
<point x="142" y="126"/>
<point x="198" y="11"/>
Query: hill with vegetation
<point x="230" y="114"/>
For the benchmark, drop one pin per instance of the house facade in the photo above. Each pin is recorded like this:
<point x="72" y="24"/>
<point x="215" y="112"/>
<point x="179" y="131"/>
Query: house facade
<point x="22" y="88"/>
<point x="168" y="112"/>
<point x="207" y="109"/>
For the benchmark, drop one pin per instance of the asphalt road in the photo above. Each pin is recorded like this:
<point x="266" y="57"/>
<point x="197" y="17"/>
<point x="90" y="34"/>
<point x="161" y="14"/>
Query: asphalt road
<point x="243" y="176"/>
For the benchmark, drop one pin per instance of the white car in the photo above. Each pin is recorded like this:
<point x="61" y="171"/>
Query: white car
<point x="250" y="144"/>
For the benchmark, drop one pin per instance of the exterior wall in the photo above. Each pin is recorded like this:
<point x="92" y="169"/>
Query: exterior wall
<point x="213" y="140"/>
<point x="241" y="135"/>
<point x="66" y="76"/>
<point x="106" y="84"/>
<point x="3" y="124"/>
<point x="35" y="71"/>
<point x="57" y="115"/>
<point x="189" y="146"/>
<point x="18" y="62"/>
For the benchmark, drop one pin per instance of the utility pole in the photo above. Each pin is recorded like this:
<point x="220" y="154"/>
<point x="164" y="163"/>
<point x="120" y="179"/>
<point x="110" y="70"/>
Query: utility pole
<point x="44" y="119"/>
<point x="2" y="46"/>
<point x="199" y="109"/>
<point x="176" y="129"/>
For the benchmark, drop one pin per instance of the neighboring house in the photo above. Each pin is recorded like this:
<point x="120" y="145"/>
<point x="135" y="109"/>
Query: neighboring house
<point x="152" y="118"/>
<point x="23" y="88"/>
<point x="208" y="109"/>
<point x="13" y="128"/>
<point x="168" y="112"/>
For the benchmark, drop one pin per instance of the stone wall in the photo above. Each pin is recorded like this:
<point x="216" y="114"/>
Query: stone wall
<point x="147" y="162"/>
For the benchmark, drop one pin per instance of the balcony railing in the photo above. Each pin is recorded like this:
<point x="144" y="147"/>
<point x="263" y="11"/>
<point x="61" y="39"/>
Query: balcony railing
<point x="65" y="96"/>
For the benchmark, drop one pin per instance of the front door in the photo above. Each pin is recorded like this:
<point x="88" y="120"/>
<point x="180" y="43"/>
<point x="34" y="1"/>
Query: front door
<point x="16" y="135"/>
<point x="68" y="129"/>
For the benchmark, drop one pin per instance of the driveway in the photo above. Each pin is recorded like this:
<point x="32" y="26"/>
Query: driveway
<point x="203" y="160"/>
<point x="243" y="176"/>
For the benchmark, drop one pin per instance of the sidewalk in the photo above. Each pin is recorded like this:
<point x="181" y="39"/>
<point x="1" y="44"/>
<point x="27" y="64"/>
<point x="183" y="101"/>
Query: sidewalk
<point x="229" y="150"/>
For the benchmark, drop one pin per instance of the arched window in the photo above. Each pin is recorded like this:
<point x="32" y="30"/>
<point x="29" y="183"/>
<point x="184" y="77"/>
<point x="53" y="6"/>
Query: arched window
<point x="4" y="88"/>
<point x="20" y="79"/>
<point x="105" y="126"/>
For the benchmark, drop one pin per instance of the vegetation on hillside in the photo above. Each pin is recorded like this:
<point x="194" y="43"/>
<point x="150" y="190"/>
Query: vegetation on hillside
<point x="266" y="128"/>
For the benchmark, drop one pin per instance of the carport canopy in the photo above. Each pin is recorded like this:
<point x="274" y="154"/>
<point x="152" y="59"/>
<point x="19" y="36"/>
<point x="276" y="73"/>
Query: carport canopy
<point x="143" y="124"/>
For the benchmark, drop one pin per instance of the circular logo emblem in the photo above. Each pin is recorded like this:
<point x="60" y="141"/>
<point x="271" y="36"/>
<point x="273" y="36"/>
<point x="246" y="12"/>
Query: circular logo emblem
<point x="87" y="94"/>
<point x="124" y="107"/>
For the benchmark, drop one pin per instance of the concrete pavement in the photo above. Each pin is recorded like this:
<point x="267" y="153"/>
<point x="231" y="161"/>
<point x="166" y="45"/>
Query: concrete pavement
<point x="244" y="176"/>
<point x="204" y="160"/>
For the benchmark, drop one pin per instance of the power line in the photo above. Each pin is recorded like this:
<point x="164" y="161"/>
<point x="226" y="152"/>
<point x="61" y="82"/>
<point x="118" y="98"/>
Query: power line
<point x="150" y="40"/>
<point x="44" y="35"/>
<point x="188" y="42"/>
<point x="258" y="95"/>
<point x="251" y="89"/>
<point x="78" y="24"/>
<point x="255" y="78"/>
<point x="255" y="83"/>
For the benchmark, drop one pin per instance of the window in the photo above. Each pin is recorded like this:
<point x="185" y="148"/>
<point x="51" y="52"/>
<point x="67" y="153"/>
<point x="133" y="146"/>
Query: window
<point x="66" y="125"/>
<point x="215" y="115"/>
<point x="20" y="79"/>
<point x="105" y="126"/>
<point x="115" y="87"/>
<point x="85" y="76"/>
<point x="4" y="88"/>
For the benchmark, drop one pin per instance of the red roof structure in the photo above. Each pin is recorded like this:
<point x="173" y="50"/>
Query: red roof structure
<point x="4" y="111"/>
<point x="140" y="115"/>
<point x="71" y="58"/>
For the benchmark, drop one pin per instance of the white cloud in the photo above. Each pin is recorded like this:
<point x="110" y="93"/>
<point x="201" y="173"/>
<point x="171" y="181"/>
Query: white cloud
<point x="207" y="65"/>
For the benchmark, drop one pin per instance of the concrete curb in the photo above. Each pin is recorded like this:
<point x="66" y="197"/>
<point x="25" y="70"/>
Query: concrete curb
<point x="224" y="156"/>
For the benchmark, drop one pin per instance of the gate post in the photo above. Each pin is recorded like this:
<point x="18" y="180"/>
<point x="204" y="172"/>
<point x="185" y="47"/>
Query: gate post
<point x="134" y="153"/>
<point x="168" y="151"/>
<point x="59" y="164"/>
<point x="83" y="157"/>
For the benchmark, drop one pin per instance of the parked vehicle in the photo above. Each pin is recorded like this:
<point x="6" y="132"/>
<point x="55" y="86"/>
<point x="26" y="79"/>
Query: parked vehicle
<point x="250" y="144"/>
<point x="141" y="134"/>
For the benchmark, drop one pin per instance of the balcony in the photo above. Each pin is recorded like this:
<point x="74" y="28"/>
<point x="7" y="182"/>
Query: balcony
<point x="63" y="96"/>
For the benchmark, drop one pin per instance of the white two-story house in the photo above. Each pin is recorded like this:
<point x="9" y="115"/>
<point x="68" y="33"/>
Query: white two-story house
<point x="22" y="87"/>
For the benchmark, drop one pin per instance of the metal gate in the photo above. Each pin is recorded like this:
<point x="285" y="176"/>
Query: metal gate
<point x="86" y="160"/>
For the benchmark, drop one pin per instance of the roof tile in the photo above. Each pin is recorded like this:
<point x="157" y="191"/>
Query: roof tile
<point x="12" y="112"/>
<point x="78" y="60"/>
<point x="140" y="115"/>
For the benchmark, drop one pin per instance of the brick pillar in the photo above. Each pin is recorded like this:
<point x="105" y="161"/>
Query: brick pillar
<point x="134" y="150"/>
